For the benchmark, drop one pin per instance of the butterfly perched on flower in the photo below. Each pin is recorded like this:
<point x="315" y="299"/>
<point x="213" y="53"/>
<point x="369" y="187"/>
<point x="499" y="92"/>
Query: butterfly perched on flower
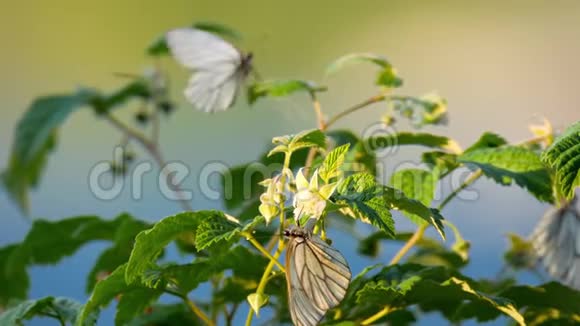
<point x="317" y="276"/>
<point x="556" y="241"/>
<point x="219" y="68"/>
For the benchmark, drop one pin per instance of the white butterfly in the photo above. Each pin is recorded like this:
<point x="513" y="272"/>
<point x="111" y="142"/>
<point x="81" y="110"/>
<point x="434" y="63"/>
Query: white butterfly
<point x="556" y="240"/>
<point x="317" y="276"/>
<point x="219" y="68"/>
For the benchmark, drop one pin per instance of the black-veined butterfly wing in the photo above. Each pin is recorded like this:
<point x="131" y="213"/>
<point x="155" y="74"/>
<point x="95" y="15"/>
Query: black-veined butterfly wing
<point x="218" y="67"/>
<point x="556" y="240"/>
<point x="317" y="276"/>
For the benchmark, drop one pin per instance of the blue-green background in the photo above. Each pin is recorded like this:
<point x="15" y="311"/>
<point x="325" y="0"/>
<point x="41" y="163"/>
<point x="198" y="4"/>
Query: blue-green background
<point x="500" y="65"/>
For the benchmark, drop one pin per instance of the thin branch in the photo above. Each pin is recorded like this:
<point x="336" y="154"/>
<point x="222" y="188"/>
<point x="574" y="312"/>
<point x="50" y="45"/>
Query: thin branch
<point x="340" y="115"/>
<point x="261" y="249"/>
<point x="409" y="244"/>
<point x="265" y="278"/>
<point x="471" y="179"/>
<point x="153" y="150"/>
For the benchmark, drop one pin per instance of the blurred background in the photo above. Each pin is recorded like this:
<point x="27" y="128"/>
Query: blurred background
<point x="501" y="66"/>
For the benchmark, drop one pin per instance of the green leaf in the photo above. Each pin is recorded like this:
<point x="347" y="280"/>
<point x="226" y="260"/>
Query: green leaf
<point x="174" y="314"/>
<point x="549" y="295"/>
<point x="281" y="88"/>
<point x="500" y="304"/>
<point x="445" y="163"/>
<point x="14" y="281"/>
<point x="119" y="252"/>
<point x="34" y="139"/>
<point x="487" y="140"/>
<point x="63" y="309"/>
<point x="108" y="289"/>
<point x="304" y="139"/>
<point x="332" y="163"/>
<point x="159" y="47"/>
<point x="133" y="303"/>
<point x="407" y="138"/>
<point x="150" y="243"/>
<point x="507" y="163"/>
<point x="563" y="156"/>
<point x="416" y="184"/>
<point x="387" y="76"/>
<point x="360" y="193"/>
<point x="214" y="229"/>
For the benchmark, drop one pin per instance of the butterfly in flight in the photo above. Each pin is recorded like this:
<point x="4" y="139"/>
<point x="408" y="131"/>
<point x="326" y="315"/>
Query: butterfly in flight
<point x="556" y="240"/>
<point x="219" y="69"/>
<point x="317" y="276"/>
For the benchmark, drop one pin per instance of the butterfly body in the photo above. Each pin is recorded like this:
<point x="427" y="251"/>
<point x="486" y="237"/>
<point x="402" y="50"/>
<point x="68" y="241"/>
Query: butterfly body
<point x="317" y="276"/>
<point x="219" y="68"/>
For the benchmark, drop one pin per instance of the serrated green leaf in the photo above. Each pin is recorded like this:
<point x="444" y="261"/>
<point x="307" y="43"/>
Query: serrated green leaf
<point x="360" y="193"/>
<point x="159" y="46"/>
<point x="408" y="138"/>
<point x="34" y="139"/>
<point x="332" y="163"/>
<point x="215" y="229"/>
<point x="563" y="156"/>
<point x="507" y="163"/>
<point x="281" y="88"/>
<point x="64" y="309"/>
<point x="150" y="243"/>
<point x="416" y="184"/>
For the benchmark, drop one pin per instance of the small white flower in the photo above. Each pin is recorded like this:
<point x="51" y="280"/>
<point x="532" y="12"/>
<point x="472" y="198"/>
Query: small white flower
<point x="310" y="198"/>
<point x="271" y="198"/>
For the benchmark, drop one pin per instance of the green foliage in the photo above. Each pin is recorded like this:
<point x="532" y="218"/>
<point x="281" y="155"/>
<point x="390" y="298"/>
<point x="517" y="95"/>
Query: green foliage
<point x="416" y="184"/>
<point x="150" y="243"/>
<point x="62" y="309"/>
<point x="387" y="75"/>
<point x="372" y="202"/>
<point x="237" y="263"/>
<point x="110" y="288"/>
<point x="563" y="157"/>
<point x="509" y="163"/>
<point x="34" y="139"/>
<point x="304" y="139"/>
<point x="159" y="46"/>
<point x="281" y="88"/>
<point x="332" y="163"/>
<point x="408" y="138"/>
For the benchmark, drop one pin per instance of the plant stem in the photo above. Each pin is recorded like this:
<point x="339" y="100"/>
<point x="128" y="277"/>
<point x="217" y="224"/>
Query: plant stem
<point x="261" y="249"/>
<point x="192" y="306"/>
<point x="409" y="244"/>
<point x="318" y="110"/>
<point x="471" y="179"/>
<point x="265" y="278"/>
<point x="385" y="311"/>
<point x="152" y="148"/>
<point x="377" y="98"/>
